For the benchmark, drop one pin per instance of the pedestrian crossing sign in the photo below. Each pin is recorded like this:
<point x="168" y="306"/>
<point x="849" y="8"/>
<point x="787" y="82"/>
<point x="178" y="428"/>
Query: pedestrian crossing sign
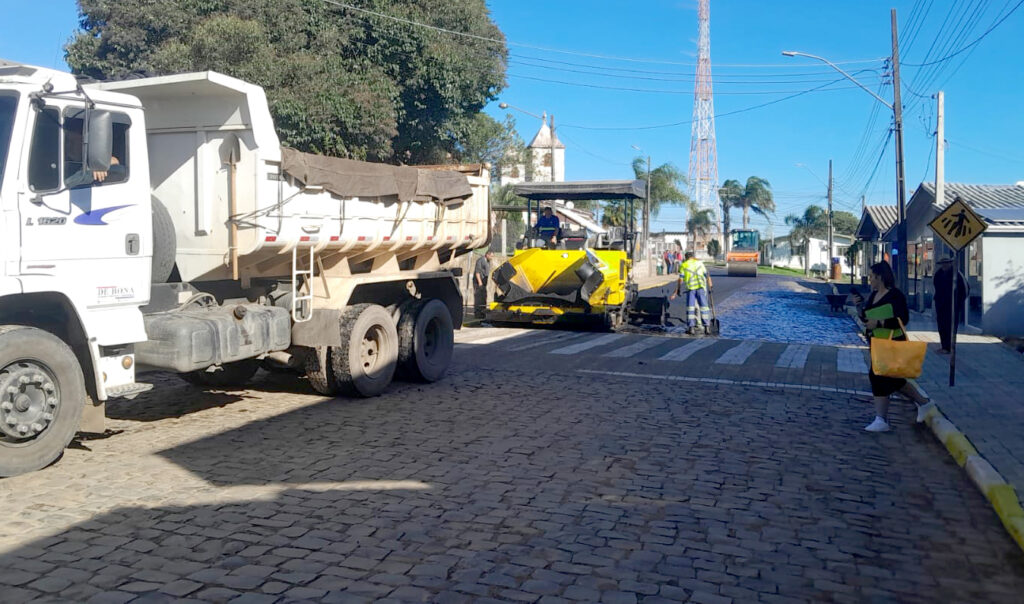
<point x="958" y="225"/>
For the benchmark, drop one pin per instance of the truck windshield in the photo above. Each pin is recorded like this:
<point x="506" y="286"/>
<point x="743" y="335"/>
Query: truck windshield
<point x="8" y="103"/>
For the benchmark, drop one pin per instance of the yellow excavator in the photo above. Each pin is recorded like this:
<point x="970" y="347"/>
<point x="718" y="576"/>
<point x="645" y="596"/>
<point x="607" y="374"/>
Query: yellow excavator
<point x="582" y="278"/>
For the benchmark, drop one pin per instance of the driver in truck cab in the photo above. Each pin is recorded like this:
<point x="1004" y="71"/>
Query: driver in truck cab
<point x="548" y="227"/>
<point x="74" y="165"/>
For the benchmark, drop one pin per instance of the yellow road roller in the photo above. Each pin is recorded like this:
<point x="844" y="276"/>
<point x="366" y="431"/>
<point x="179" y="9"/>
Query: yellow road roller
<point x="580" y="276"/>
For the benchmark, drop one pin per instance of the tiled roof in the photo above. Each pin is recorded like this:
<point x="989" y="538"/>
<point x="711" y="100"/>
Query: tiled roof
<point x="980" y="197"/>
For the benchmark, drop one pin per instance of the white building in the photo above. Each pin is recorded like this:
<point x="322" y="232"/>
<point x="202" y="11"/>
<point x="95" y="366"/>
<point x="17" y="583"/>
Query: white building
<point x="546" y="154"/>
<point x="783" y="254"/>
<point x="993" y="263"/>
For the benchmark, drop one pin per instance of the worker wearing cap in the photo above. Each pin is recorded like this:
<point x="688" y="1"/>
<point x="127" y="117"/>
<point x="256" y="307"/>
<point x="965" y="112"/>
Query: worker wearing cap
<point x="693" y="276"/>
<point x="548" y="226"/>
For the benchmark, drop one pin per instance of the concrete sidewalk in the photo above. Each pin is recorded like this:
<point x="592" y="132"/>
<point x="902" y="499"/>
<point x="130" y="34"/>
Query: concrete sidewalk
<point x="987" y="402"/>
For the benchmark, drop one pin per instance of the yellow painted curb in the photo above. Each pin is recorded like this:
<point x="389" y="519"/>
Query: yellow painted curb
<point x="999" y="493"/>
<point x="1015" y="526"/>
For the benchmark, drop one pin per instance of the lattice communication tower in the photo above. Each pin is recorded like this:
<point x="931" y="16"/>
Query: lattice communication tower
<point x="703" y="148"/>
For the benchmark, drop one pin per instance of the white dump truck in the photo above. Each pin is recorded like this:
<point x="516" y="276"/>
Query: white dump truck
<point x="157" y="224"/>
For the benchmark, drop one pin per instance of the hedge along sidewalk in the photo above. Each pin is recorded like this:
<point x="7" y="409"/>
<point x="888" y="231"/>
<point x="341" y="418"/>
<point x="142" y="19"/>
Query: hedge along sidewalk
<point x="981" y="419"/>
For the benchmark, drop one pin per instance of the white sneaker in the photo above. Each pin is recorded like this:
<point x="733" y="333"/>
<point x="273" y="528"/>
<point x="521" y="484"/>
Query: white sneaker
<point x="879" y="425"/>
<point x="923" y="411"/>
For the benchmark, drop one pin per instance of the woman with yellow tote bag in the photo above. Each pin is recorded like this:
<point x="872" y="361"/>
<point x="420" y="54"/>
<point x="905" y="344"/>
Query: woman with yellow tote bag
<point x="885" y="314"/>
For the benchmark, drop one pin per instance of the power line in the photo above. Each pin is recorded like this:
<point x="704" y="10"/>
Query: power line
<point x="970" y="44"/>
<point x="663" y="91"/>
<point x="558" y="50"/>
<point x="600" y="72"/>
<point x="717" y="115"/>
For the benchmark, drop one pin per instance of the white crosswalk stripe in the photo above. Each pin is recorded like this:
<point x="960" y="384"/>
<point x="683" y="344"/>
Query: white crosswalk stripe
<point x="684" y="352"/>
<point x="635" y="348"/>
<point x="794" y="356"/>
<point x="738" y="355"/>
<point x="553" y="338"/>
<point x="593" y="342"/>
<point x="851" y="360"/>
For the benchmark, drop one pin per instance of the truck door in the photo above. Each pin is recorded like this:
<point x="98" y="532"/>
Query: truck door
<point x="79" y="226"/>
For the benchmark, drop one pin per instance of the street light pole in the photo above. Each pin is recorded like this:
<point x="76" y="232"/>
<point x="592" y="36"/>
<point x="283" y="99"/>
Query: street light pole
<point x="897" y="113"/>
<point x="647" y="206"/>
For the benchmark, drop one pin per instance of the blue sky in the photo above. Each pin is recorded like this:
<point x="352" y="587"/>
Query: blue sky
<point x="983" y="87"/>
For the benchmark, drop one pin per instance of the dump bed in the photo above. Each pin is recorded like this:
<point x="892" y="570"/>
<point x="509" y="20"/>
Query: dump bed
<point x="210" y="135"/>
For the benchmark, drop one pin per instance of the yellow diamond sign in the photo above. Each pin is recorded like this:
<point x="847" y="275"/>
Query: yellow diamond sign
<point x="958" y="225"/>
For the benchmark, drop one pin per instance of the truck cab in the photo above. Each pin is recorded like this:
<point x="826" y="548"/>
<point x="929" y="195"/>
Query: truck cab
<point x="74" y="256"/>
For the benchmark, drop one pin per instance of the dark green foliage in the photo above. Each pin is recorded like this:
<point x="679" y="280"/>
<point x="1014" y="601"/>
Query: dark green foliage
<point x="338" y="81"/>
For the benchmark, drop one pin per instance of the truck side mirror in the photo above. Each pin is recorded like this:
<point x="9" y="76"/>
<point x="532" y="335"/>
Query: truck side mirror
<point x="99" y="143"/>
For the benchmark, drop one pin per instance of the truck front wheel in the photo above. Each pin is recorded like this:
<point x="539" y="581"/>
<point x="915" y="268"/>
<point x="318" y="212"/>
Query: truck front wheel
<point x="42" y="392"/>
<point x="365" y="362"/>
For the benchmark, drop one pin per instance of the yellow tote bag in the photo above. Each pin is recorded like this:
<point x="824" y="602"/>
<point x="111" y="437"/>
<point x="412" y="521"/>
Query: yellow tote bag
<point x="895" y="358"/>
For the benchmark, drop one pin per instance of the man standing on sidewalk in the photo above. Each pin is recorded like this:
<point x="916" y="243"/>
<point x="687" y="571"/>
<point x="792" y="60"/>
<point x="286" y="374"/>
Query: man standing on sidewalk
<point x="481" y="272"/>
<point x="693" y="275"/>
<point x="942" y="284"/>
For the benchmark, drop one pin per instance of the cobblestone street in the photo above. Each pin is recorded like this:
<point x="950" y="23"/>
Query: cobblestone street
<point x="504" y="482"/>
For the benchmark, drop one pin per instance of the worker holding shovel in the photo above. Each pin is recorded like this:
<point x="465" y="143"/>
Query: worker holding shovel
<point x="693" y="275"/>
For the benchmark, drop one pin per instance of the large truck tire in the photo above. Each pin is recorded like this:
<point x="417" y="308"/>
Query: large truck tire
<point x="426" y="341"/>
<point x="319" y="371"/>
<point x="165" y="243"/>
<point x="42" y="393"/>
<point x="228" y="375"/>
<point x="365" y="362"/>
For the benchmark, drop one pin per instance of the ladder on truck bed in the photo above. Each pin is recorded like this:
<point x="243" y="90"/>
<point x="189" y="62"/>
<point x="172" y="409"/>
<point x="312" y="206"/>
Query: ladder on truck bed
<point x="302" y="305"/>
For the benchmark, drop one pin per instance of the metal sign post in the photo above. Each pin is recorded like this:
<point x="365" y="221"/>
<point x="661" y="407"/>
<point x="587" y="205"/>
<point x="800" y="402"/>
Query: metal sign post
<point x="957" y="226"/>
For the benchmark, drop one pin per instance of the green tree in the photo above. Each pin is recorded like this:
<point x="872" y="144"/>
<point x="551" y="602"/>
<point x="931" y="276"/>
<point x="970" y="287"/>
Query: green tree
<point x="699" y="224"/>
<point x="844" y="223"/>
<point x="812" y="223"/>
<point x="756" y="195"/>
<point x="714" y="249"/>
<point x="338" y="81"/>
<point x="667" y="184"/>
<point x="729" y="196"/>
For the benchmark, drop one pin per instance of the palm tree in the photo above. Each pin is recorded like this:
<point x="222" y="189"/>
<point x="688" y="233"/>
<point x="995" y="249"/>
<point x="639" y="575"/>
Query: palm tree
<point x="756" y="195"/>
<point x="803" y="227"/>
<point x="667" y="184"/>
<point x="730" y="195"/>
<point x="699" y="223"/>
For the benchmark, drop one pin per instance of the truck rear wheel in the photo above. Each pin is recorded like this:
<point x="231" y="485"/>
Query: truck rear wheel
<point x="365" y="362"/>
<point x="319" y="371"/>
<point x="42" y="392"/>
<point x="228" y="375"/>
<point x="426" y="340"/>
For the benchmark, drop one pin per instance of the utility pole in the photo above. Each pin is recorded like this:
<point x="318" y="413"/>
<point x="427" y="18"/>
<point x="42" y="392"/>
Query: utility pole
<point x="900" y="263"/>
<point x="940" y="179"/>
<point x="829" y="262"/>
<point x="647" y="210"/>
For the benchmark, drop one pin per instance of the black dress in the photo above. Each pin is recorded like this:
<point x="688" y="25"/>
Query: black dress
<point x="881" y="385"/>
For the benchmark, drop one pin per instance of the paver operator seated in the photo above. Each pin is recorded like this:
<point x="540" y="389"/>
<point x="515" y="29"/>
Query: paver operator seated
<point x="693" y="275"/>
<point x="548" y="227"/>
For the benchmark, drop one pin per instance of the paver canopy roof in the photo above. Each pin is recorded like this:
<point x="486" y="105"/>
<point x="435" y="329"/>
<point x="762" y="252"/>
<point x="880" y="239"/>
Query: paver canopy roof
<point x="582" y="190"/>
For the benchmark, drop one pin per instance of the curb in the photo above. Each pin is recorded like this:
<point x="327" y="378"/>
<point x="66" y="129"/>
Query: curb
<point x="989" y="481"/>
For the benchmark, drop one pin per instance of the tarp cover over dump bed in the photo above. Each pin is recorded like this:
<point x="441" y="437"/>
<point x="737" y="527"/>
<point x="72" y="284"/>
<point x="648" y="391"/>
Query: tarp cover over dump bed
<point x="351" y="178"/>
